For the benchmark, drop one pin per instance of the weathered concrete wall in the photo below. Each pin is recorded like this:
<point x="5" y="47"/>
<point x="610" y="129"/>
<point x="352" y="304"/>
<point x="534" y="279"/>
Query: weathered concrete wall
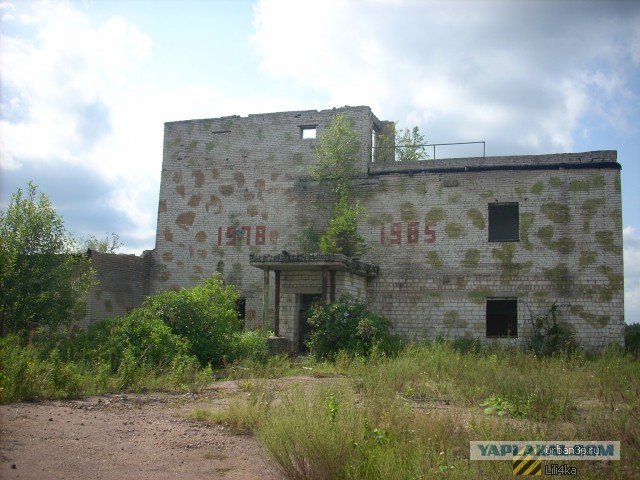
<point x="235" y="186"/>
<point x="123" y="281"/>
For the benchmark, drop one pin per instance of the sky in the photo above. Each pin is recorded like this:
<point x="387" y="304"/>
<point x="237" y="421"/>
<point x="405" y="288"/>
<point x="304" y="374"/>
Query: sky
<point x="86" y="86"/>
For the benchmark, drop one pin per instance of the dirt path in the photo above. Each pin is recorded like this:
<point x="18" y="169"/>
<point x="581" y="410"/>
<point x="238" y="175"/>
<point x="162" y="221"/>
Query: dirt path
<point x="127" y="436"/>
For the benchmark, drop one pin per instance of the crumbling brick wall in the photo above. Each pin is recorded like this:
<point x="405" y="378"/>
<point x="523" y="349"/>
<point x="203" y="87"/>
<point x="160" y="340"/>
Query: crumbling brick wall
<point x="122" y="283"/>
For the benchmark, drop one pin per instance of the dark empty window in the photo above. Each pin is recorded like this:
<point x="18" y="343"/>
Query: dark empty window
<point x="502" y="317"/>
<point x="308" y="131"/>
<point x="504" y="222"/>
<point x="241" y="305"/>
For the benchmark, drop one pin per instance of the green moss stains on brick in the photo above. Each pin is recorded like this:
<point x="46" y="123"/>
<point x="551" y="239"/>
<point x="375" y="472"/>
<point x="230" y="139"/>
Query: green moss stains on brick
<point x="479" y="295"/>
<point x="373" y="219"/>
<point x="386" y="217"/>
<point x="455" y="197"/>
<point x="209" y="146"/>
<point x="487" y="194"/>
<point x="421" y="188"/>
<point x="618" y="183"/>
<point x="461" y="283"/>
<point x="616" y="216"/>
<point x="454" y="230"/>
<point x="436" y="214"/>
<point x="510" y="269"/>
<point x="556" y="212"/>
<point x="439" y="190"/>
<point x="615" y="285"/>
<point x="564" y="245"/>
<point x="520" y="191"/>
<point x="605" y="238"/>
<point x="476" y="217"/>
<point x="590" y="183"/>
<point x="271" y="158"/>
<point x="297" y="158"/>
<point x="383" y="185"/>
<point x="589" y="210"/>
<point x="260" y="134"/>
<point x="545" y="234"/>
<point x="526" y="223"/>
<point x="452" y="320"/>
<point x="596" y="321"/>
<point x="537" y="188"/>
<point x="192" y="146"/>
<point x="555" y="182"/>
<point x="559" y="276"/>
<point x="288" y="137"/>
<point x="587" y="258"/>
<point x="408" y="212"/>
<point x="471" y="259"/>
<point x="540" y="297"/>
<point x="434" y="260"/>
<point x="402" y="186"/>
<point x="235" y="276"/>
<point x="436" y="298"/>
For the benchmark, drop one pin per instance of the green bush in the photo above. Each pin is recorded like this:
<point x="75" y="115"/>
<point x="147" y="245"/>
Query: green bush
<point x="347" y="326"/>
<point x="27" y="371"/>
<point x="205" y="315"/>
<point x="249" y="345"/>
<point x="138" y="341"/>
<point x="549" y="335"/>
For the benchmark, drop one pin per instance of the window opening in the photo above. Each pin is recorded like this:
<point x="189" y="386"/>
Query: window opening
<point x="502" y="317"/>
<point x="504" y="222"/>
<point x="308" y="132"/>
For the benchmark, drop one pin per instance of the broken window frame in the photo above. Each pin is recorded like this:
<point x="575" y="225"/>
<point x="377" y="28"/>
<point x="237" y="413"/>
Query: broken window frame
<point x="501" y="317"/>
<point x="504" y="222"/>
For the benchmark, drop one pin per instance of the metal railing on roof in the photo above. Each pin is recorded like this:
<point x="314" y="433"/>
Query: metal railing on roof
<point x="378" y="154"/>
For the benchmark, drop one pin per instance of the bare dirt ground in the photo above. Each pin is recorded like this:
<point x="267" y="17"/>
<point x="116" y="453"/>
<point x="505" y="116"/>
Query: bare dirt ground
<point x="138" y="436"/>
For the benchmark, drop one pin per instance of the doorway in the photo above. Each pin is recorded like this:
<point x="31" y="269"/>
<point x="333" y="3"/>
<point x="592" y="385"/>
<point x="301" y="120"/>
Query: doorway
<point x="306" y="302"/>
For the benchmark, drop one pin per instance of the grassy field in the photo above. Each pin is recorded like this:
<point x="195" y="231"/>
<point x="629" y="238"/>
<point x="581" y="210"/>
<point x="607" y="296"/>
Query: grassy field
<point x="413" y="416"/>
<point x="407" y="416"/>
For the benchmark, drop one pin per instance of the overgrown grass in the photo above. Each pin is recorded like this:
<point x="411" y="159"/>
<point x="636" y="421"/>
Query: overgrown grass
<point x="409" y="416"/>
<point x="413" y="416"/>
<point x="98" y="361"/>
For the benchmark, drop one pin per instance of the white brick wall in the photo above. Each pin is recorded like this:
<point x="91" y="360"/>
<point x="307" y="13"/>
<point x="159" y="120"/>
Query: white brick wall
<point x="235" y="186"/>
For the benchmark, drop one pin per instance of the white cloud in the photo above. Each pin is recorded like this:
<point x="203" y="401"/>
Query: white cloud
<point x="523" y="74"/>
<point x="62" y="82"/>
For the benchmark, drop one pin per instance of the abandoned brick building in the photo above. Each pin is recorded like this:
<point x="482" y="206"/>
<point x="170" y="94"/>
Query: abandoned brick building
<point x="457" y="247"/>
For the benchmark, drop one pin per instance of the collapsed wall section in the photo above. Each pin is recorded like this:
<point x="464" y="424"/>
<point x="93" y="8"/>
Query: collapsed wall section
<point x="122" y="283"/>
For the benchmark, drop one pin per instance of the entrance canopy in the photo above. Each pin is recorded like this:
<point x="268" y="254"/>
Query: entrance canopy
<point x="327" y="264"/>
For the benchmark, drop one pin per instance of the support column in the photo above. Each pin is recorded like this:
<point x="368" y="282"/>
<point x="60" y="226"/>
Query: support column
<point x="276" y="313"/>
<point x="325" y="281"/>
<point x="265" y="300"/>
<point x="332" y="286"/>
